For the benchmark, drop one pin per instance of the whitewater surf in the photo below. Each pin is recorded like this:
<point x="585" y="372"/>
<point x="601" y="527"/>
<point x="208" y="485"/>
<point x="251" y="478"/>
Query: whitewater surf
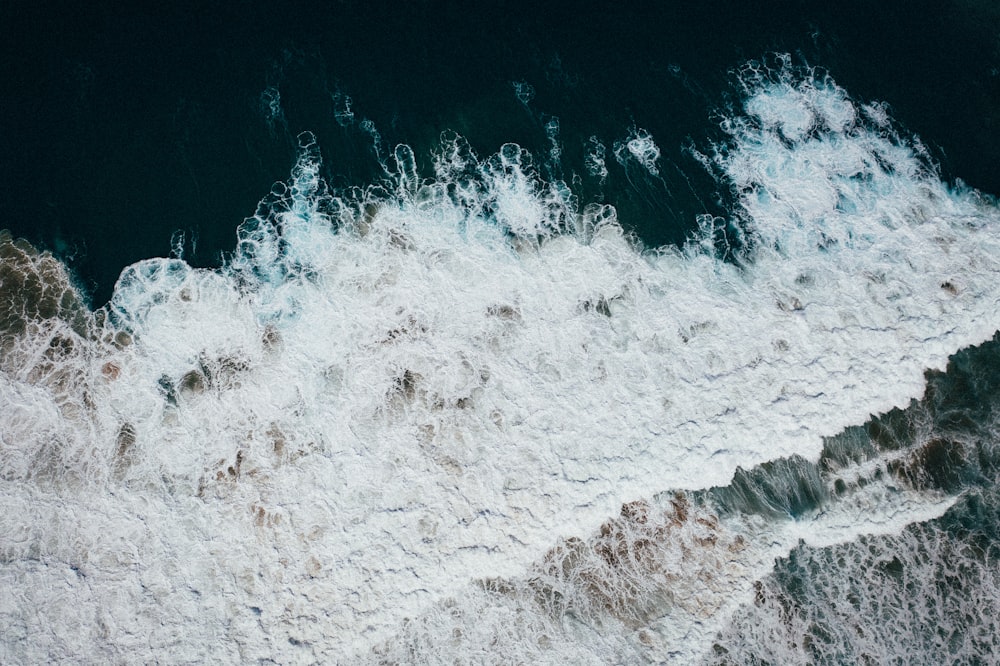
<point x="463" y="415"/>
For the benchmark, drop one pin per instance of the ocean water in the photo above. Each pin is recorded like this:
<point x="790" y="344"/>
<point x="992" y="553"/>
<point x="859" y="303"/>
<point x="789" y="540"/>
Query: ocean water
<point x="622" y="336"/>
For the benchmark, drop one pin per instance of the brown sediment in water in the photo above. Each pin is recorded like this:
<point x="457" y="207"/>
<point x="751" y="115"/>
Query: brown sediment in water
<point x="45" y="326"/>
<point x="34" y="287"/>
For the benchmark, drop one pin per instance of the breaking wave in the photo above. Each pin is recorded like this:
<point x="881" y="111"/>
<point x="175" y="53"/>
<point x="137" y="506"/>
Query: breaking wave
<point x="465" y="415"/>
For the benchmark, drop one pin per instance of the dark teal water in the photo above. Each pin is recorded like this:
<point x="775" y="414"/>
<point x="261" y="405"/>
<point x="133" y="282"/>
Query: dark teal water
<point x="123" y="125"/>
<point x="927" y="595"/>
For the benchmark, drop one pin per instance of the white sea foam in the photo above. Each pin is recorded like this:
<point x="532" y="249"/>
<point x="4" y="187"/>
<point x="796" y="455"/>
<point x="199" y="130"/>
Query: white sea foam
<point x="661" y="582"/>
<point x="385" y="397"/>
<point x="594" y="161"/>
<point x="639" y="147"/>
<point x="920" y="593"/>
<point x="555" y="147"/>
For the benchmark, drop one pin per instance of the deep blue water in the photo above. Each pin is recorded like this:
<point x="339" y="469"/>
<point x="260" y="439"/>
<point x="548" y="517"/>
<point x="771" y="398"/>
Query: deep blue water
<point x="122" y="125"/>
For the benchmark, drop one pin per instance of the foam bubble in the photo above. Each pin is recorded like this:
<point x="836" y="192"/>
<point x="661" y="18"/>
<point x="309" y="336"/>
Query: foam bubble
<point x="594" y="161"/>
<point x="920" y="593"/>
<point x="641" y="148"/>
<point x="343" y="108"/>
<point x="271" y="109"/>
<point x="524" y="92"/>
<point x="555" y="148"/>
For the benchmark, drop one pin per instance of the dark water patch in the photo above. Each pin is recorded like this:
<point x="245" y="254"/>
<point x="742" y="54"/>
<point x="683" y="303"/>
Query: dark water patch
<point x="944" y="442"/>
<point x="788" y="487"/>
<point x="124" y="125"/>
<point x="926" y="595"/>
<point x="39" y="305"/>
<point x="34" y="286"/>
